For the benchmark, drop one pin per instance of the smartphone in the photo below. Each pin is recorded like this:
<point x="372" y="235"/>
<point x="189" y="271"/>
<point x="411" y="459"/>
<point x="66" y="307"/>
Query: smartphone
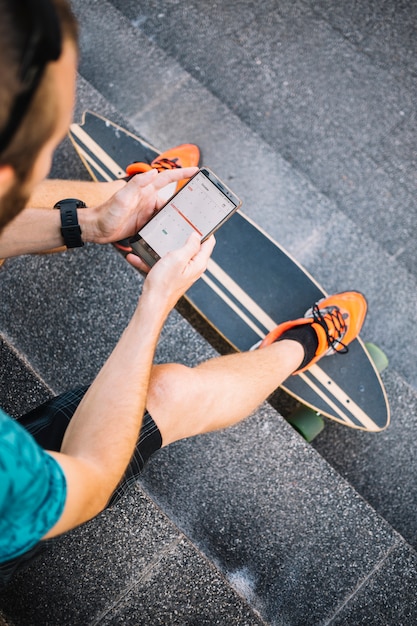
<point x="201" y="206"/>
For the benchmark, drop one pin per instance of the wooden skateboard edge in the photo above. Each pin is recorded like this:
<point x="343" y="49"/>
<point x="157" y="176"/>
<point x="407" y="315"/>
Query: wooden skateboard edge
<point x="110" y="122"/>
<point x="325" y="294"/>
<point x="82" y="158"/>
<point x="336" y="419"/>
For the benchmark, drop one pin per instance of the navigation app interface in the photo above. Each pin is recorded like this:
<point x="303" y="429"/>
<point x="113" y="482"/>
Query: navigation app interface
<point x="199" y="207"/>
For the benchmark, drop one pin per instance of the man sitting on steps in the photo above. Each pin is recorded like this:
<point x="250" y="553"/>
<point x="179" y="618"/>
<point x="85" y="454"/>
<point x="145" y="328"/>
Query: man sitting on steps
<point x="64" y="462"/>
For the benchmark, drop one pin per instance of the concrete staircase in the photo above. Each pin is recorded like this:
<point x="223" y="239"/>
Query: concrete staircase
<point x="304" y="111"/>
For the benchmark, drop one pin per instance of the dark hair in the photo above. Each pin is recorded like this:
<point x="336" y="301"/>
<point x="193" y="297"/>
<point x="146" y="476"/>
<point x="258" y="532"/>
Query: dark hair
<point x="38" y="122"/>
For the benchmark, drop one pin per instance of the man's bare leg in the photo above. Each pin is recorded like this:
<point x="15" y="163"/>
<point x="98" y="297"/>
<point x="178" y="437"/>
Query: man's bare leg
<point x="223" y="391"/>
<point x="218" y="393"/>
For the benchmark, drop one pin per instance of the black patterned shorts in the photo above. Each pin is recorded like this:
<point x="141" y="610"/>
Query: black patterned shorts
<point x="49" y="421"/>
<point x="47" y="424"/>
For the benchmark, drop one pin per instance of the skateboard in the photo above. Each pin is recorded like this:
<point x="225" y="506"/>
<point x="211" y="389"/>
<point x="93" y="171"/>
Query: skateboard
<point x="242" y="301"/>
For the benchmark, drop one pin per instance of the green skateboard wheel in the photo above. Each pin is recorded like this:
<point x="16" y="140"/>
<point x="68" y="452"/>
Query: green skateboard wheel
<point x="378" y="357"/>
<point x="307" y="423"/>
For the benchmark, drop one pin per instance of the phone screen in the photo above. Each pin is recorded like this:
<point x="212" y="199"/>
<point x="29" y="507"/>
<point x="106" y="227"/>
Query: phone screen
<point x="200" y="206"/>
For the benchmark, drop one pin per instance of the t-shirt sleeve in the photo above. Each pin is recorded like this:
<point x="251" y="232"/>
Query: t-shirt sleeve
<point x="32" y="490"/>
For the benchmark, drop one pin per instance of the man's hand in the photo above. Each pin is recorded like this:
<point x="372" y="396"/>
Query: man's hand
<point x="174" y="273"/>
<point x="125" y="213"/>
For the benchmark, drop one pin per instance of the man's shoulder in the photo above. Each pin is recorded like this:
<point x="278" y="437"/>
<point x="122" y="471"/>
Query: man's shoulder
<point x="32" y="489"/>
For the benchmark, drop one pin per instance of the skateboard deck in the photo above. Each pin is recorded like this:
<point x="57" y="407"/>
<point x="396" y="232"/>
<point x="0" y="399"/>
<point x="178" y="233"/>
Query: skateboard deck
<point x="243" y="300"/>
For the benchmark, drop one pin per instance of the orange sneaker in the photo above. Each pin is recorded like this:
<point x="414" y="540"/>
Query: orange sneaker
<point x="185" y="155"/>
<point x="337" y="320"/>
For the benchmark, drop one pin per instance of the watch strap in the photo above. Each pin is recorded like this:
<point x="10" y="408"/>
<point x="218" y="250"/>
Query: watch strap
<point x="70" y="228"/>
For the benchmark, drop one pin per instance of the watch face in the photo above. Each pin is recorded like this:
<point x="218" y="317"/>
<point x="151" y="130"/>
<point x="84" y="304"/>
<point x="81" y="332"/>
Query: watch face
<point x="79" y="203"/>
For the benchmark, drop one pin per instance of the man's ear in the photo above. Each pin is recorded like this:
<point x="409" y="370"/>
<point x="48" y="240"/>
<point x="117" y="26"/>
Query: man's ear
<point x="7" y="178"/>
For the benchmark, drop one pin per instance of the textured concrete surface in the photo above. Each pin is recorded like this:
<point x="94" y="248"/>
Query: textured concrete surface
<point x="332" y="92"/>
<point x="130" y="566"/>
<point x="382" y="468"/>
<point x="276" y="520"/>
<point x="384" y="592"/>
<point x="307" y="109"/>
<point x="17" y="374"/>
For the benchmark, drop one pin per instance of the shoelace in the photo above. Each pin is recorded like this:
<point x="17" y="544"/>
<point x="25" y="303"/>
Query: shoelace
<point x="332" y="316"/>
<point x="166" y="164"/>
<point x="158" y="164"/>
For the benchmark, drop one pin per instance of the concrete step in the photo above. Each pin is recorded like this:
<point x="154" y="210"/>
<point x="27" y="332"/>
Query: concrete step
<point x="245" y="526"/>
<point x="254" y="524"/>
<point x="21" y="387"/>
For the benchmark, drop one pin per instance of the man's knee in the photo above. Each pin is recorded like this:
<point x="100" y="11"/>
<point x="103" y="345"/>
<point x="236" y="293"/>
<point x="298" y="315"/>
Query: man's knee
<point x="169" y="385"/>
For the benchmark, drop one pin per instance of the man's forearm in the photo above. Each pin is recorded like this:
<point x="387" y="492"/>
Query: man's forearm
<point x="101" y="436"/>
<point x="32" y="231"/>
<point x="38" y="228"/>
<point x="49" y="192"/>
<point x="106" y="424"/>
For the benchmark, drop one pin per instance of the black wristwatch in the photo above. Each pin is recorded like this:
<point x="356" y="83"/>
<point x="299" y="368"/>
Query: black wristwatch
<point x="70" y="229"/>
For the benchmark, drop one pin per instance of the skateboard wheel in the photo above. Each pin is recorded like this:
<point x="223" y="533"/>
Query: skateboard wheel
<point x="378" y="357"/>
<point x="306" y="422"/>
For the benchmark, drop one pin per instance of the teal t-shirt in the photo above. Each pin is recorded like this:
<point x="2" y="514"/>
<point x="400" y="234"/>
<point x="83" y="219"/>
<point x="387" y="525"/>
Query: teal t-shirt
<point x="32" y="490"/>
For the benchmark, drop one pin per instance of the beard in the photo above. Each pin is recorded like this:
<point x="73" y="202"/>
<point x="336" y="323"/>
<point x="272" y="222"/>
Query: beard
<point x="13" y="202"/>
